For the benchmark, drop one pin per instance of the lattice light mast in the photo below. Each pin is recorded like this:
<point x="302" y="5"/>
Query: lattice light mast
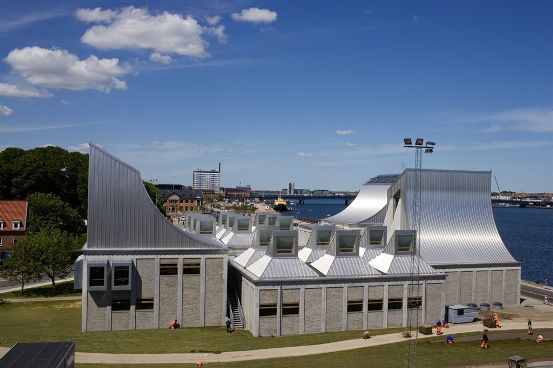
<point x="414" y="298"/>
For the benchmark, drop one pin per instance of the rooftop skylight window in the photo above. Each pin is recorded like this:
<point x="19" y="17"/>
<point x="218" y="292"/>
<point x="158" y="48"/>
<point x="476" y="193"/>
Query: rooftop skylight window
<point x="264" y="237"/>
<point x="405" y="243"/>
<point x="346" y="243"/>
<point x="261" y="219"/>
<point x="284" y="244"/>
<point x="376" y="237"/>
<point x="323" y="237"/>
<point x="242" y="224"/>
<point x="206" y="227"/>
<point x="271" y="220"/>
<point x="285" y="223"/>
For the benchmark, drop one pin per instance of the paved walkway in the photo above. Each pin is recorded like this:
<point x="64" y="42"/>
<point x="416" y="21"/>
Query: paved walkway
<point x="43" y="299"/>
<point x="33" y="285"/>
<point x="292" y="351"/>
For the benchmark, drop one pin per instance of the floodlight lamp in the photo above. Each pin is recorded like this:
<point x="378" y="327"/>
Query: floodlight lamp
<point x="407" y="141"/>
<point x="429" y="143"/>
<point x="428" y="150"/>
<point x="419" y="142"/>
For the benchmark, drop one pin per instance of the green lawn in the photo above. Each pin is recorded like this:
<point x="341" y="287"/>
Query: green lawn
<point x="62" y="289"/>
<point x="57" y="321"/>
<point x="392" y="356"/>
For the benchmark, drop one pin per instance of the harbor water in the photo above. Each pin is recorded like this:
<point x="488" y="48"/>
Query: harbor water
<point x="527" y="233"/>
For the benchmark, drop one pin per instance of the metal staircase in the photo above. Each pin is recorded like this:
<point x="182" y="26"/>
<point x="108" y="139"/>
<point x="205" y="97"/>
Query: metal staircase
<point x="235" y="308"/>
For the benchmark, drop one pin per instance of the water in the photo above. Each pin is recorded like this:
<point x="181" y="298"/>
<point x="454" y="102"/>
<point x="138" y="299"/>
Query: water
<point x="527" y="233"/>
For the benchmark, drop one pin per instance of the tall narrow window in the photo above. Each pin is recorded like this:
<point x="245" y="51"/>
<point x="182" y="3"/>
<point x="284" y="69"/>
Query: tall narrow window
<point x="284" y="244"/>
<point x="376" y="237"/>
<point x="264" y="237"/>
<point x="323" y="237"/>
<point x="96" y="276"/>
<point x="121" y="276"/>
<point x="346" y="243"/>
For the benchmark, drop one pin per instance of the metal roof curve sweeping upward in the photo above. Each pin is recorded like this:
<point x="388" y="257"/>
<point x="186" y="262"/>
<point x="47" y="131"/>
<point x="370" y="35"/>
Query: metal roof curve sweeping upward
<point x="121" y="214"/>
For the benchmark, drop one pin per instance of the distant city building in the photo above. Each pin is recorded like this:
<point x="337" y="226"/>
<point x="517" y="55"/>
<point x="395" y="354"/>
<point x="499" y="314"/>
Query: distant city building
<point x="207" y="179"/>
<point x="237" y="192"/>
<point x="172" y="187"/>
<point x="290" y="188"/>
<point x="13" y="223"/>
<point x="320" y="192"/>
<point x="302" y="191"/>
<point x="177" y="202"/>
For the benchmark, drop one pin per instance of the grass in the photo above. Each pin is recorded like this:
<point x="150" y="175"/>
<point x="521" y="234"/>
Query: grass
<point x="391" y="356"/>
<point x="62" y="289"/>
<point x="61" y="320"/>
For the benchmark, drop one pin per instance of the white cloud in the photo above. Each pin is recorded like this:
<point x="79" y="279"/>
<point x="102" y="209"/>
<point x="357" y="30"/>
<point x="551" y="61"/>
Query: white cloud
<point x="82" y="148"/>
<point x="137" y="28"/>
<point x="160" y="58"/>
<point x="255" y="15"/>
<point x="66" y="102"/>
<point x="350" y="144"/>
<point x="213" y="20"/>
<point x="5" y="110"/>
<point x="96" y="15"/>
<point x="305" y="154"/>
<point x="58" y="68"/>
<point x="531" y="120"/>
<point x="344" y="132"/>
<point x="11" y="90"/>
<point x="218" y="32"/>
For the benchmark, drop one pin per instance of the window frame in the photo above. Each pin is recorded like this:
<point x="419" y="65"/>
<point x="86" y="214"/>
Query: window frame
<point x="242" y="221"/>
<point x="373" y="242"/>
<point x="204" y="232"/>
<point x="354" y="306"/>
<point x="1" y="225"/>
<point x="349" y="250"/>
<point x="169" y="265"/>
<point x="417" y="300"/>
<point x="268" y="308"/>
<point x="373" y="302"/>
<point x="290" y="309"/>
<point x="287" y="251"/>
<point x="317" y="242"/>
<point x="98" y="287"/>
<point x="192" y="266"/>
<point x="290" y="223"/>
<point x="265" y="244"/>
<point x="272" y="220"/>
<point x="397" y="303"/>
<point x="126" y="286"/>
<point x="18" y="225"/>
<point x="411" y="247"/>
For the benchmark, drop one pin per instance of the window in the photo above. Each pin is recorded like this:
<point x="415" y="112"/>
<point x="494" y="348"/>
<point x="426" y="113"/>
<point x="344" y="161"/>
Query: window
<point x="404" y="243"/>
<point x="264" y="237"/>
<point x="206" y="227"/>
<point x="323" y="237"/>
<point x="376" y="237"/>
<point x="169" y="269"/>
<point x="242" y="224"/>
<point x="460" y="312"/>
<point x="224" y="218"/>
<point x="1" y="225"/>
<point x="230" y="221"/>
<point x="284" y="244"/>
<point x="261" y="219"/>
<point x="266" y="310"/>
<point x="0" y="242"/>
<point x="414" y="302"/>
<point x="97" y="276"/>
<point x="191" y="267"/>
<point x="120" y="305"/>
<point x="144" y="304"/>
<point x="271" y="220"/>
<point x="346" y="243"/>
<point x="395" y="303"/>
<point x="291" y="309"/>
<point x="16" y="225"/>
<point x="375" y="304"/>
<point x="285" y="223"/>
<point x="355" y="306"/>
<point x="121" y="276"/>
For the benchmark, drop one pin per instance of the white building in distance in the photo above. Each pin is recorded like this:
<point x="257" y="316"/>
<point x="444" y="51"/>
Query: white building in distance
<point x="207" y="179"/>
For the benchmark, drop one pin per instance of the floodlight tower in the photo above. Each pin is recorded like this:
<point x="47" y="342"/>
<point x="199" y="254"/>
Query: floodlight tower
<point x="413" y="301"/>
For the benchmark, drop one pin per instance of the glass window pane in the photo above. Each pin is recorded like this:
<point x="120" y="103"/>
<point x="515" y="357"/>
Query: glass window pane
<point x="121" y="275"/>
<point x="261" y="219"/>
<point x="272" y="220"/>
<point x="206" y="227"/>
<point x="404" y="242"/>
<point x="323" y="237"/>
<point x="243" y="224"/>
<point x="376" y="236"/>
<point x="285" y="244"/>
<point x="285" y="224"/>
<point x="264" y="237"/>
<point x="96" y="276"/>
<point x="346" y="243"/>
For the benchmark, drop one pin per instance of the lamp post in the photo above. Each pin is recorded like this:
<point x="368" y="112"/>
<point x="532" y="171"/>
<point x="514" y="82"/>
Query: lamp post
<point x="420" y="146"/>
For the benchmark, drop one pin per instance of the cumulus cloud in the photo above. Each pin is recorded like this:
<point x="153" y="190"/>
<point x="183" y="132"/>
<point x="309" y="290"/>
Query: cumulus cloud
<point x="58" y="68"/>
<point x="255" y="15"/>
<point x="5" y="110"/>
<point x="165" y="33"/>
<point x="344" y="132"/>
<point x="96" y="15"/>
<point x="160" y="58"/>
<point x="218" y="32"/>
<point x="11" y="90"/>
<point x="213" y="20"/>
<point x="305" y="154"/>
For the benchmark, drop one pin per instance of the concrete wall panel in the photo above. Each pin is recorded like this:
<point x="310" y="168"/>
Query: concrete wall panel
<point x="334" y="308"/>
<point x="313" y="300"/>
<point x="466" y="287"/>
<point x="497" y="286"/>
<point x="215" y="288"/>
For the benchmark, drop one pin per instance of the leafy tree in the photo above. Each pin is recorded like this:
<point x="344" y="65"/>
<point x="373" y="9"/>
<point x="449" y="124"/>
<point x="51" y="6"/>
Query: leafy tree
<point x="23" y="264"/>
<point x="153" y="192"/>
<point x="48" y="211"/>
<point x="7" y="158"/>
<point x="57" y="251"/>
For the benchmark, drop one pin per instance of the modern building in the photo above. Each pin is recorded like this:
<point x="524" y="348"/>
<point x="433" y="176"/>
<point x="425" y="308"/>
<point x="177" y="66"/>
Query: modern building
<point x="290" y="188"/>
<point x="207" y="179"/>
<point x="137" y="269"/>
<point x="13" y="223"/>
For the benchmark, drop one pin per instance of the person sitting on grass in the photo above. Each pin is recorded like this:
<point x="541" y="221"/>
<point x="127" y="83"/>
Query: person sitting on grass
<point x="540" y="339"/>
<point x="439" y="328"/>
<point x="450" y="339"/>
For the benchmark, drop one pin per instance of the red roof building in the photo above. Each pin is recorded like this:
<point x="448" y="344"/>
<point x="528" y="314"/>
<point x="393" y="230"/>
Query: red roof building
<point x="13" y="223"/>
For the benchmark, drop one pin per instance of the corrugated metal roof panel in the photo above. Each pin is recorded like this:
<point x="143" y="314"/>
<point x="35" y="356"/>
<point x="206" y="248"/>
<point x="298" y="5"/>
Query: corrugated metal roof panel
<point x="280" y="268"/>
<point x="368" y="203"/>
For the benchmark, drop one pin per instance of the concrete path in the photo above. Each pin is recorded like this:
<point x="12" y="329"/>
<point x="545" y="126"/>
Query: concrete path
<point x="43" y="299"/>
<point x="32" y="285"/>
<point x="292" y="351"/>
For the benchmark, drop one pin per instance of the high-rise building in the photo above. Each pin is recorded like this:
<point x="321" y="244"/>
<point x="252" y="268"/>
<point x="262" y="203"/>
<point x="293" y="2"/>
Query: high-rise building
<point x="291" y="188"/>
<point x="207" y="179"/>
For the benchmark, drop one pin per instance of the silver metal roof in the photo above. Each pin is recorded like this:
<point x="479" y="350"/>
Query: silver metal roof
<point x="122" y="216"/>
<point x="268" y="267"/>
<point x="370" y="201"/>
<point x="343" y="266"/>
<point x="457" y="223"/>
<point x="249" y="256"/>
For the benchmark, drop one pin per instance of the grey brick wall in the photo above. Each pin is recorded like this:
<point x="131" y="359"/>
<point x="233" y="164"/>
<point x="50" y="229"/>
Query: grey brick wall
<point x="433" y="303"/>
<point x="375" y="319"/>
<point x="395" y="318"/>
<point x="145" y="278"/>
<point x="482" y="287"/>
<point x="334" y="308"/>
<point x="214" y="289"/>
<point x="120" y="320"/>
<point x="451" y="288"/>
<point x="377" y="292"/>
<point x="248" y="305"/>
<point x="355" y="293"/>
<point x="144" y="319"/>
<point x="497" y="286"/>
<point x="96" y="316"/>
<point x="313" y="301"/>
<point x="511" y="287"/>
<point x="191" y="300"/>
<point x="268" y="296"/>
<point x="167" y="300"/>
<point x="466" y="287"/>
<point x="355" y="321"/>
<point x="290" y="325"/>
<point x="394" y="291"/>
<point x="267" y="326"/>
<point x="290" y="296"/>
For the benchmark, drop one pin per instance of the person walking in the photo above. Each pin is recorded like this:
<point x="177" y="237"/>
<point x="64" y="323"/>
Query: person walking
<point x="530" y="330"/>
<point x="228" y="324"/>
<point x="496" y="320"/>
<point x="484" y="340"/>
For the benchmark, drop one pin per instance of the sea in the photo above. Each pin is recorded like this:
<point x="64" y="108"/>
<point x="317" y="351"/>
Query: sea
<point x="527" y="233"/>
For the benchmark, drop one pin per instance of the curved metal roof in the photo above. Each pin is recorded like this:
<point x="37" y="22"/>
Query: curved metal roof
<point x="370" y="200"/>
<point x="457" y="224"/>
<point x="121" y="214"/>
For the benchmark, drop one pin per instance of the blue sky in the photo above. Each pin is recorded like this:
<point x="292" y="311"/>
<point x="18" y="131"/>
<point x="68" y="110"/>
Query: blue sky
<point x="318" y="93"/>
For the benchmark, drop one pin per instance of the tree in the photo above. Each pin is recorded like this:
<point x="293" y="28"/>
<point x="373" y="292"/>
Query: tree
<point x="49" y="211"/>
<point x="23" y="264"/>
<point x="153" y="192"/>
<point x="57" y="252"/>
